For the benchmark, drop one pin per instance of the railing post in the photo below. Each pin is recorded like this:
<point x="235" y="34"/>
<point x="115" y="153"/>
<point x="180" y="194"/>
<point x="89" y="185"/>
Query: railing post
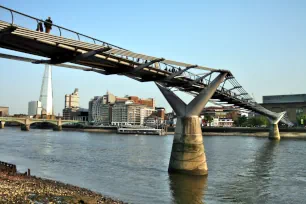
<point x="12" y="17"/>
<point x="60" y="31"/>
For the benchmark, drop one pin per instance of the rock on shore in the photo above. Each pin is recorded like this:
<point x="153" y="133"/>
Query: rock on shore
<point x="31" y="189"/>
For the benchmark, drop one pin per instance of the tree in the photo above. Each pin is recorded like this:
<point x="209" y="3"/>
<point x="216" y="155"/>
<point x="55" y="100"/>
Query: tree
<point x="258" y="121"/>
<point x="208" y="119"/>
<point x="301" y="119"/>
<point x="241" y="121"/>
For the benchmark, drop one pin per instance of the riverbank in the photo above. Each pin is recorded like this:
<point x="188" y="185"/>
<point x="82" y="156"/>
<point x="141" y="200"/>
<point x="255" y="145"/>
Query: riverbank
<point x="19" y="188"/>
<point x="284" y="135"/>
<point x="296" y="133"/>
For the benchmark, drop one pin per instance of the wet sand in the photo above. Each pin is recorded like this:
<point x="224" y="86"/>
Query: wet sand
<point x="31" y="189"/>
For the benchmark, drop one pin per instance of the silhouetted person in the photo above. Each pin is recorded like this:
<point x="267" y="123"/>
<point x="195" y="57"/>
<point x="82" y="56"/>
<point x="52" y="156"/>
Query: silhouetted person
<point x="48" y="25"/>
<point x="40" y="27"/>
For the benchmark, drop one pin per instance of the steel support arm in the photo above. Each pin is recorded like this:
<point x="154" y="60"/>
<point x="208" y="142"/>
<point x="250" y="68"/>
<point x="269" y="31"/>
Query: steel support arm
<point x="196" y="106"/>
<point x="142" y="66"/>
<point x="175" y="102"/>
<point x="241" y="94"/>
<point x="73" y="59"/>
<point x="180" y="72"/>
<point x="276" y="120"/>
<point x="200" y="78"/>
<point x="236" y="87"/>
<point x="7" y="30"/>
<point x="91" y="53"/>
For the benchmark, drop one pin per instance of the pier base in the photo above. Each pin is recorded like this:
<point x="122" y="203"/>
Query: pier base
<point x="25" y="127"/>
<point x="188" y="155"/>
<point x="2" y="125"/>
<point x="274" y="132"/>
<point x="57" y="128"/>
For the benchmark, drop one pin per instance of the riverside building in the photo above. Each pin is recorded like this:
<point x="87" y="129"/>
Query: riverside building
<point x="128" y="113"/>
<point x="294" y="105"/>
<point x="100" y="109"/>
<point x="72" y="110"/>
<point x="119" y="111"/>
<point x="72" y="100"/>
<point x="4" y="111"/>
<point x="34" y="108"/>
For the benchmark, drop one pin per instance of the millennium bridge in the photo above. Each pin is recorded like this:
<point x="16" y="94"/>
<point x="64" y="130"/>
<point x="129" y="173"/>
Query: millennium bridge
<point x="204" y="83"/>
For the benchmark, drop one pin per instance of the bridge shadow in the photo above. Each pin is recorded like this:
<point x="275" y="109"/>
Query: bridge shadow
<point x="187" y="189"/>
<point x="43" y="125"/>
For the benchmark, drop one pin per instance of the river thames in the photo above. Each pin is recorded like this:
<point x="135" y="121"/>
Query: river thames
<point x="134" y="168"/>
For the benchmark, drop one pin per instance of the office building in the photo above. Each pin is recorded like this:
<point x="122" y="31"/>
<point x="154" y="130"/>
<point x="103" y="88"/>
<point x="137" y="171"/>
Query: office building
<point x="120" y="113"/>
<point x="79" y="114"/>
<point x="150" y="102"/>
<point x="129" y="113"/>
<point x="100" y="109"/>
<point x="294" y="105"/>
<point x="72" y="110"/>
<point x="111" y="110"/>
<point x="4" y="111"/>
<point x="72" y="100"/>
<point x="34" y="108"/>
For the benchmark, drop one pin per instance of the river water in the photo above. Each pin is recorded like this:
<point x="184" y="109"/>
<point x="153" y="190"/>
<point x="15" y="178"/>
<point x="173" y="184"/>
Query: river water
<point x="134" y="168"/>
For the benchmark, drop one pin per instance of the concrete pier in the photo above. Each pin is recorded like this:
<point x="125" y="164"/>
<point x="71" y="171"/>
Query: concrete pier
<point x="188" y="154"/>
<point x="57" y="128"/>
<point x="274" y="130"/>
<point x="2" y="124"/>
<point x="25" y="127"/>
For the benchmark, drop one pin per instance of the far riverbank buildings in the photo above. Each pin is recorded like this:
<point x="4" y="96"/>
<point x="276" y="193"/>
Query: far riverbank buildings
<point x="4" y="111"/>
<point x="294" y="105"/>
<point x="72" y="110"/>
<point x="118" y="111"/>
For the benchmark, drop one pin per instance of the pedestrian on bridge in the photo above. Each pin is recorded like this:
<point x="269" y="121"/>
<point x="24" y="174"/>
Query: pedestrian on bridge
<point x="40" y="27"/>
<point x="48" y="25"/>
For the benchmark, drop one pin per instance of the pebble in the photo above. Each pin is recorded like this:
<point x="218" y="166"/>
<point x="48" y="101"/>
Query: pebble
<point x="31" y="189"/>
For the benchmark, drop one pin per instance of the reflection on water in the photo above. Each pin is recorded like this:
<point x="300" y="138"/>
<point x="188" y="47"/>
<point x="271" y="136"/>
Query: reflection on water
<point x="187" y="189"/>
<point x="253" y="185"/>
<point x="134" y="169"/>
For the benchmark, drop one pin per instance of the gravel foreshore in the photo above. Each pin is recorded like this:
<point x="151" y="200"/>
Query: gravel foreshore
<point x="31" y="189"/>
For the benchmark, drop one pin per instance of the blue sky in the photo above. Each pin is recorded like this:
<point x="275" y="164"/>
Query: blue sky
<point x="262" y="42"/>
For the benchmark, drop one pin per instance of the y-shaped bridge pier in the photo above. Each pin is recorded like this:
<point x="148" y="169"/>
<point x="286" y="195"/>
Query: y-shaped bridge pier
<point x="188" y="154"/>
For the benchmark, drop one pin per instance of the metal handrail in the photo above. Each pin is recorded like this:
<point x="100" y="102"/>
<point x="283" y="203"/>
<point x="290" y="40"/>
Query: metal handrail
<point x="59" y="27"/>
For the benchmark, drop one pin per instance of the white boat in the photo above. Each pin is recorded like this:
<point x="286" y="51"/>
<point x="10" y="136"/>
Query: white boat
<point x="140" y="131"/>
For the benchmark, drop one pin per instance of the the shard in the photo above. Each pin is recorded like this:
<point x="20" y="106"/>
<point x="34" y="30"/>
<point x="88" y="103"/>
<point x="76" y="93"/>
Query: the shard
<point x="46" y="93"/>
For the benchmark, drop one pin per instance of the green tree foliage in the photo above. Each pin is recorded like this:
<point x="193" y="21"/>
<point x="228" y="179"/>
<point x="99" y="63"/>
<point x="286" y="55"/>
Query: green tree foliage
<point x="241" y="121"/>
<point x="257" y="121"/>
<point x="299" y="119"/>
<point x="208" y="119"/>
